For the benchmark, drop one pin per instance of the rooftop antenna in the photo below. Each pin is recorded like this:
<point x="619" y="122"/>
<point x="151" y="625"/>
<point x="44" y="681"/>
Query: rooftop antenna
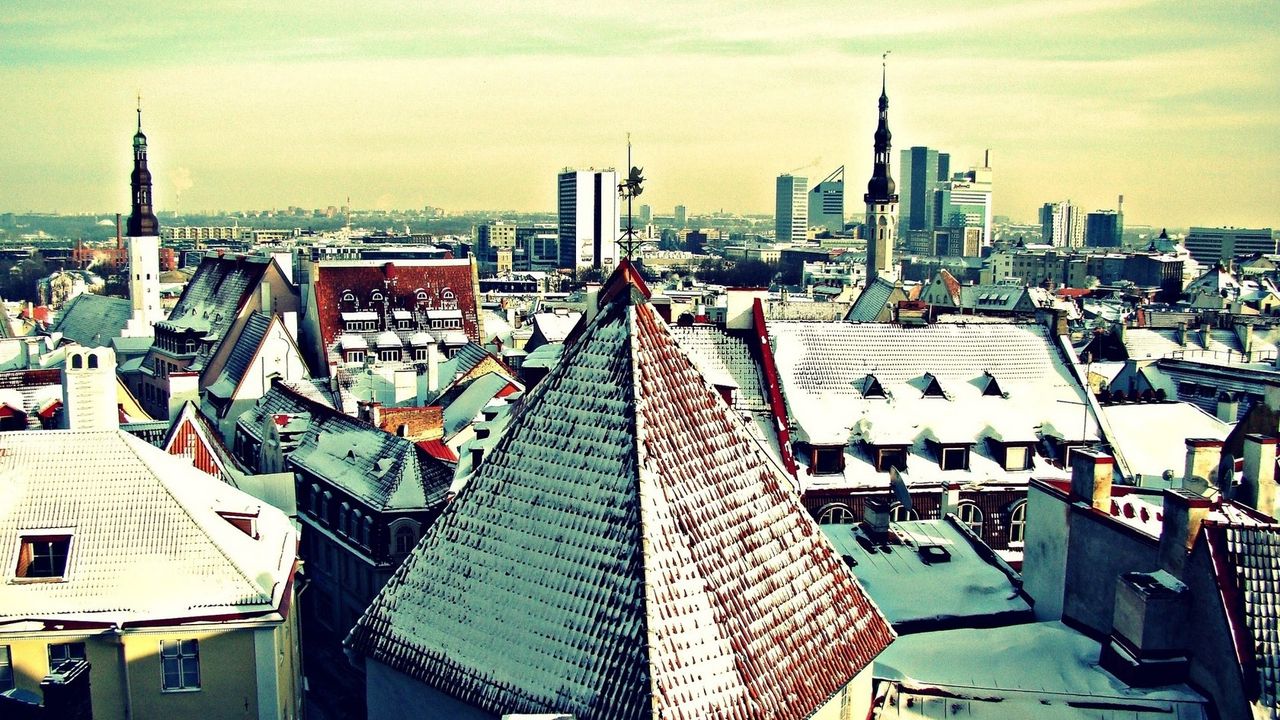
<point x="629" y="189"/>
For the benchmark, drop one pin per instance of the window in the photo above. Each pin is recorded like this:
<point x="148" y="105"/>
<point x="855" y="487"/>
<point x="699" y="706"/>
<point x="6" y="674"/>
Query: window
<point x="77" y="362"/>
<point x="835" y="514"/>
<point x="180" y="664"/>
<point x="344" y="512"/>
<point x="1017" y="457"/>
<point x="59" y="654"/>
<point x="6" y="669"/>
<point x="932" y="387"/>
<point x="954" y="458"/>
<point x="405" y="539"/>
<point x="93" y="361"/>
<point x="1017" y="523"/>
<point x="891" y="457"/>
<point x="43" y="556"/>
<point x="900" y="513"/>
<point x="827" y="460"/>
<point x="970" y="514"/>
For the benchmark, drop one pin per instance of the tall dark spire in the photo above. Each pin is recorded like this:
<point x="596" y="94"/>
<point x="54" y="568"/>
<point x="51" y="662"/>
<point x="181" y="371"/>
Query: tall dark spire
<point x="142" y="221"/>
<point x="881" y="187"/>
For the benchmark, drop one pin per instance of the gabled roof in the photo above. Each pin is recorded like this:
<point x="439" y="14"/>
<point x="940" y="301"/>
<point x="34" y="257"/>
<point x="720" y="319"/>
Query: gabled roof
<point x="382" y="470"/>
<point x="93" y="320"/>
<point x="147" y="541"/>
<point x="627" y="550"/>
<point x="724" y="360"/>
<point x="242" y="354"/>
<point x="430" y="280"/>
<point x="280" y="399"/>
<point x="875" y="298"/>
<point x="212" y="300"/>
<point x="192" y="437"/>
<point x="462" y="408"/>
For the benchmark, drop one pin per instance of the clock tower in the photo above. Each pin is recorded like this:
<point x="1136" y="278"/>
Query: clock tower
<point x="881" y="199"/>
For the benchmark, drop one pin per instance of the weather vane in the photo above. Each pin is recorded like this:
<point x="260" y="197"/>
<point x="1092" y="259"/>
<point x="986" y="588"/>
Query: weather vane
<point x="629" y="189"/>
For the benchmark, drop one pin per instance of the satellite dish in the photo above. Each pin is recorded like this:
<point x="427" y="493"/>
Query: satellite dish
<point x="1225" y="478"/>
<point x="899" y="486"/>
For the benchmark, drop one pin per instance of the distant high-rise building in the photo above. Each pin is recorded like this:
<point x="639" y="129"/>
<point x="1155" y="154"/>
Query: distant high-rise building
<point x="589" y="227"/>
<point x="922" y="169"/>
<point x="826" y="202"/>
<point x="791" y="209"/>
<point x="540" y="247"/>
<point x="1103" y="229"/>
<point x="646" y="214"/>
<point x="881" y="200"/>
<point x="491" y="240"/>
<point x="681" y="217"/>
<point x="144" y="246"/>
<point x="1061" y="224"/>
<point x="962" y="205"/>
<point x="1219" y="245"/>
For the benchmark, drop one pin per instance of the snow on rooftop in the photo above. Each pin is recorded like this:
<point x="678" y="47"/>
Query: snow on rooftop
<point x="1152" y="436"/>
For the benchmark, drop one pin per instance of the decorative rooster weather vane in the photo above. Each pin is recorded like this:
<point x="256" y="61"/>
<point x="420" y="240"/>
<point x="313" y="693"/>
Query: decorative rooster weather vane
<point x="629" y="189"/>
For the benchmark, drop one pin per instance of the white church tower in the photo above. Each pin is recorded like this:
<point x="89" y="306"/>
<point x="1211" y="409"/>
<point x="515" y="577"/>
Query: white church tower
<point x="144" y="246"/>
<point x="89" y="389"/>
<point x="882" y="201"/>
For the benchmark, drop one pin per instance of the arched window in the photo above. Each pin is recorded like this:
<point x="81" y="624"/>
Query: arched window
<point x="366" y="530"/>
<point x="1018" y="523"/>
<point x="377" y="296"/>
<point x="315" y="499"/>
<point x="970" y="514"/>
<point x="77" y="362"/>
<point x="835" y="514"/>
<point x="900" y="513"/>
<point x="344" y="512"/>
<point x="324" y="507"/>
<point x="93" y="361"/>
<point x="420" y="294"/>
<point x="405" y="539"/>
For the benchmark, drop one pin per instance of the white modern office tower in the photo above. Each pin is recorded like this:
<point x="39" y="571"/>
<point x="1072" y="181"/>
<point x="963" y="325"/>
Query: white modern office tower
<point x="1062" y="224"/>
<point x="791" y="213"/>
<point x="966" y="200"/>
<point x="589" y="228"/>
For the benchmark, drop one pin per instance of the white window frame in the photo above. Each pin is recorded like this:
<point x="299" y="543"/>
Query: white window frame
<point x="901" y="513"/>
<point x="1018" y="524"/>
<point x="66" y="649"/>
<point x="177" y="651"/>
<point x="835" y="514"/>
<point x="971" y="515"/>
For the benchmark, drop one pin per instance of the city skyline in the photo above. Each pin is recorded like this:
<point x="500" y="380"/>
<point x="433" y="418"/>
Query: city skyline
<point x="471" y="107"/>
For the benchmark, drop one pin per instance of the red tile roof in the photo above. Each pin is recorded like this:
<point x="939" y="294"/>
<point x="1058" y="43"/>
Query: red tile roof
<point x="627" y="550"/>
<point x="419" y="284"/>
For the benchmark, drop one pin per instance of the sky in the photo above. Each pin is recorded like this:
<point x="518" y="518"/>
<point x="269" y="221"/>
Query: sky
<point x="476" y="105"/>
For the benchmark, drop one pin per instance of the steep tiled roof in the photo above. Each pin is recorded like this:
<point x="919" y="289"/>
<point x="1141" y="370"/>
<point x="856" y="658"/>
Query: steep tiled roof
<point x="626" y="551"/>
<point x="721" y="355"/>
<point x="419" y="284"/>
<point x="382" y="470"/>
<point x="92" y="320"/>
<point x="147" y="539"/>
<point x="212" y="300"/>
<point x="1252" y="570"/>
<point x="280" y="399"/>
<point x="871" y="302"/>
<point x="242" y="354"/>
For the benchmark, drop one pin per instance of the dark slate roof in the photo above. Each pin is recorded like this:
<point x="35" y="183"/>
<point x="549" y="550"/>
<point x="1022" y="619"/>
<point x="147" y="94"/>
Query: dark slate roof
<point x="384" y="471"/>
<point x="871" y="302"/>
<point x="280" y="399"/>
<point x="1250" y="579"/>
<point x="212" y="300"/>
<point x="153" y="432"/>
<point x="627" y="550"/>
<point x="93" y="320"/>
<point x="242" y="354"/>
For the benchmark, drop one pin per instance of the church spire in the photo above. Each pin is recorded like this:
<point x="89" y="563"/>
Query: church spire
<point x="881" y="197"/>
<point x="881" y="188"/>
<point x="142" y="221"/>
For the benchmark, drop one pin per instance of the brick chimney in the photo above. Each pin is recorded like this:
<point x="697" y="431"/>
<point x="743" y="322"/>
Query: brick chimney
<point x="1182" y="334"/>
<point x="1203" y="455"/>
<point x="66" y="691"/>
<point x="1228" y="406"/>
<point x="1091" y="474"/>
<point x="1184" y="513"/>
<point x="1259" y="486"/>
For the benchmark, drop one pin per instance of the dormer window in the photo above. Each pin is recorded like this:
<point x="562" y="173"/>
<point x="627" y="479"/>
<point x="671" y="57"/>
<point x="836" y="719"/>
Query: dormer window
<point x="992" y="388"/>
<point x="871" y="387"/>
<point x="43" y="556"/>
<point x="954" y="458"/>
<point x="933" y="388"/>
<point x="826" y="460"/>
<point x="887" y="457"/>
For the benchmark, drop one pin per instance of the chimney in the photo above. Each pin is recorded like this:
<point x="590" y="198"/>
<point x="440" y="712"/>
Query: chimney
<point x="1182" y="334"/>
<point x="950" y="500"/>
<point x="1244" y="333"/>
<point x="1259" y="488"/>
<point x="433" y="368"/>
<point x="1184" y="512"/>
<point x="1091" y="473"/>
<point x="66" y="691"/>
<point x="1206" y="332"/>
<point x="1148" y="621"/>
<point x="1203" y="456"/>
<point x="119" y="237"/>
<point x="875" y="518"/>
<point x="1228" y="406"/>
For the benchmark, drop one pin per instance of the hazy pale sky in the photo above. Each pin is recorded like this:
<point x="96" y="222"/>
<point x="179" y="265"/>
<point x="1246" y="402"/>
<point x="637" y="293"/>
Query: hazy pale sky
<point x="476" y="105"/>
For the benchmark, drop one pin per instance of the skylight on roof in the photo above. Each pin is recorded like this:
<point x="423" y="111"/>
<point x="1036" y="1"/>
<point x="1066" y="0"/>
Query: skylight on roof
<point x="43" y="556"/>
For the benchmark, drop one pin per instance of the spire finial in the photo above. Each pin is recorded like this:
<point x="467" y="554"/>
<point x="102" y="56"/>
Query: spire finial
<point x="884" y="71"/>
<point x="139" y="111"/>
<point x="628" y="189"/>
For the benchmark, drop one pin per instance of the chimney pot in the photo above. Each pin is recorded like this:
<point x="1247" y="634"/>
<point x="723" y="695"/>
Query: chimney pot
<point x="1259" y="486"/>
<point x="1091" y="475"/>
<point x="1203" y="455"/>
<point x="875" y="515"/>
<point x="1184" y="513"/>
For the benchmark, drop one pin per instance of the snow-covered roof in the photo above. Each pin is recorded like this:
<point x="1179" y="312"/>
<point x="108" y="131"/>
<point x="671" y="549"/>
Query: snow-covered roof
<point x="555" y="327"/>
<point x="463" y="408"/>
<point x="725" y="360"/>
<point x="93" y="320"/>
<point x="421" y="339"/>
<point x="626" y="551"/>
<point x="1142" y="343"/>
<point x="387" y="339"/>
<point x="148" y="542"/>
<point x="918" y="590"/>
<point x="1152" y="436"/>
<point x="823" y="370"/>
<point x="242" y="354"/>
<point x="1032" y="670"/>
<point x="1249" y="579"/>
<point x="352" y="341"/>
